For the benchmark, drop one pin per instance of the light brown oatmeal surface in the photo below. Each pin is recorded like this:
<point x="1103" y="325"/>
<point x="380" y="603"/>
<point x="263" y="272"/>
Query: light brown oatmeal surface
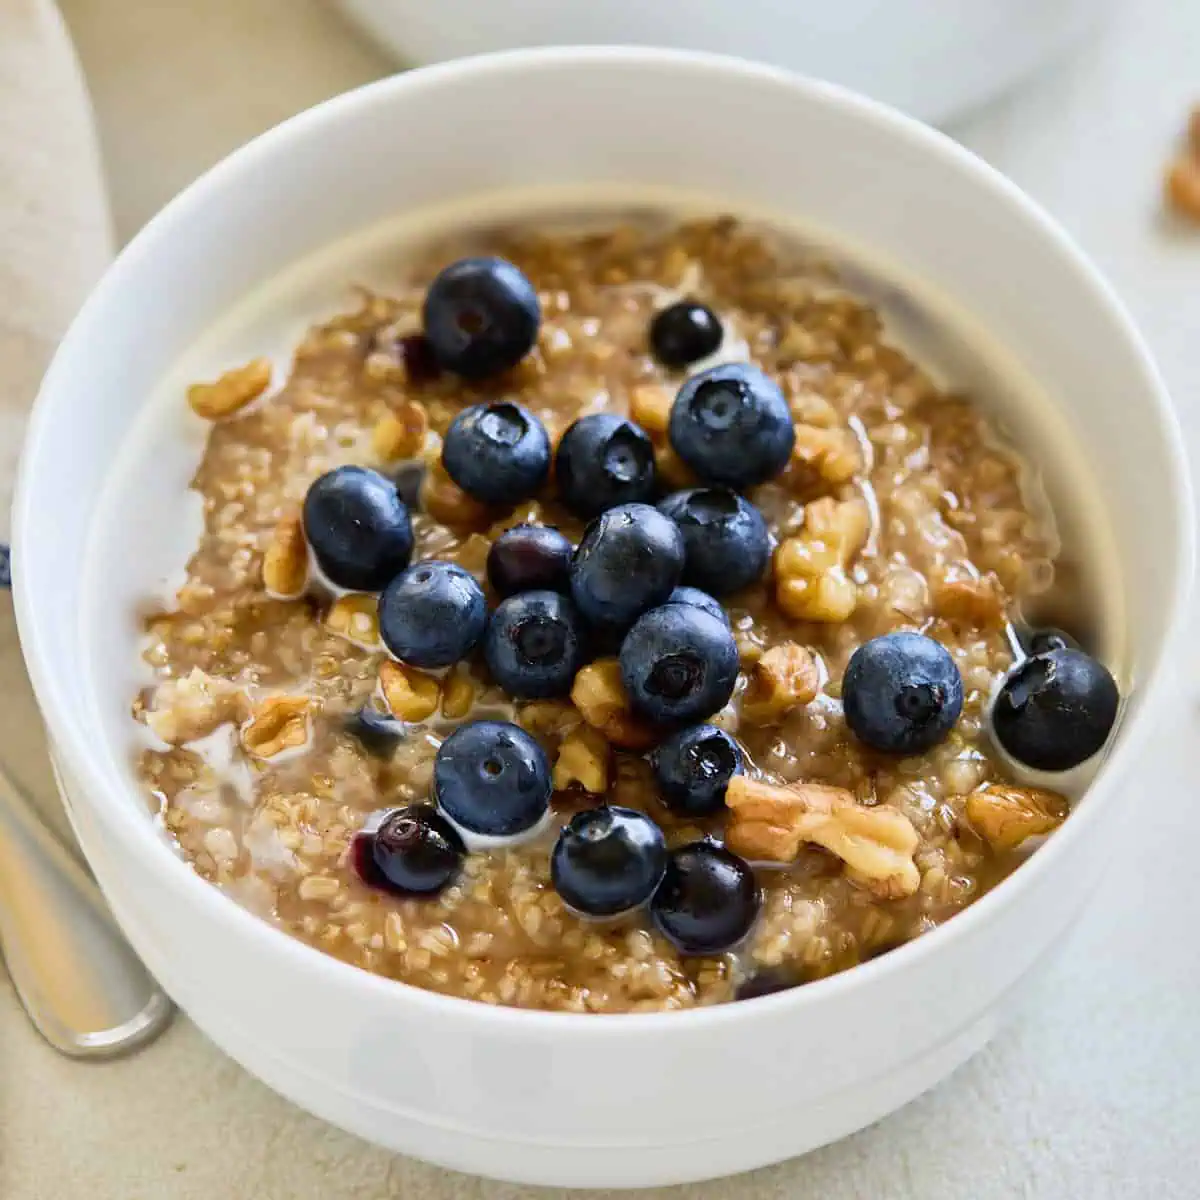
<point x="900" y="510"/>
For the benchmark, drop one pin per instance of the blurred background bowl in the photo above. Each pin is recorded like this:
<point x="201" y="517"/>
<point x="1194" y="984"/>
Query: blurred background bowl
<point x="935" y="59"/>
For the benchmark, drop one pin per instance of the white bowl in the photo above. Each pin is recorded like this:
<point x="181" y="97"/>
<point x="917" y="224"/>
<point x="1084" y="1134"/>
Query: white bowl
<point x="545" y="1098"/>
<point x="932" y="59"/>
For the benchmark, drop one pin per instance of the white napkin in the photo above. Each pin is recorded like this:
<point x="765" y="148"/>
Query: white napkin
<point x="54" y="231"/>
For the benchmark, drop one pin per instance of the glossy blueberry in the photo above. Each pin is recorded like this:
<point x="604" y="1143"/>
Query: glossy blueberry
<point x="492" y="779"/>
<point x="432" y="615"/>
<point x="629" y="560"/>
<point x="358" y="528"/>
<point x="708" y="899"/>
<point x="529" y="558"/>
<point x="1055" y="710"/>
<point x="698" y="599"/>
<point x="901" y="693"/>
<point x="1038" y="641"/>
<point x="408" y="480"/>
<point x="604" y="460"/>
<point x="693" y="769"/>
<point x="535" y="642"/>
<point x="678" y="664"/>
<point x="732" y="426"/>
<point x="725" y="538"/>
<point x="416" y="851"/>
<point x="608" y="860"/>
<point x="499" y="453"/>
<point x="683" y="333"/>
<point x="378" y="733"/>
<point x="481" y="316"/>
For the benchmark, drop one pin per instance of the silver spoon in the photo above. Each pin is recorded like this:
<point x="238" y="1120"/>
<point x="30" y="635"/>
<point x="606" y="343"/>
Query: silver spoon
<point x="84" y="989"/>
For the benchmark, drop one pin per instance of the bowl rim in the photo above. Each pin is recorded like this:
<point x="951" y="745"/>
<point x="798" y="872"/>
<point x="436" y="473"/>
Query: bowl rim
<point x="138" y="835"/>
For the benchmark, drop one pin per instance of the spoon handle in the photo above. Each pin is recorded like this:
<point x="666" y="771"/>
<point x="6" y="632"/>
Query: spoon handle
<point x="84" y="989"/>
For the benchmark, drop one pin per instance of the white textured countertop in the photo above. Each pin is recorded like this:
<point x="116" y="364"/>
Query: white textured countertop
<point x="1094" y="1092"/>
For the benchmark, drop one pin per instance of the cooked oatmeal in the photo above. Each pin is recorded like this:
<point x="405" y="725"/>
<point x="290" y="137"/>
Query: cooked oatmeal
<point x="900" y="509"/>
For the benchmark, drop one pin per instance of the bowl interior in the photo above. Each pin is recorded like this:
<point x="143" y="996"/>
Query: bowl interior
<point x="241" y="261"/>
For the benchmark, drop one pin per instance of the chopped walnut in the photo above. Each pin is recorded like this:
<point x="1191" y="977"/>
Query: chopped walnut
<point x="828" y="456"/>
<point x="411" y="695"/>
<point x="400" y="433"/>
<point x="672" y="470"/>
<point x="1005" y="815"/>
<point x="769" y="823"/>
<point x="458" y="695"/>
<point x="977" y="603"/>
<point x="193" y="706"/>
<point x="582" y="759"/>
<point x="445" y="501"/>
<point x="811" y="583"/>
<point x="279" y="723"/>
<point x="600" y="696"/>
<point x="650" y="407"/>
<point x="1183" y="186"/>
<point x="355" y="616"/>
<point x="811" y="408"/>
<point x="548" y="719"/>
<point x="784" y="678"/>
<point x="285" y="563"/>
<point x="232" y="392"/>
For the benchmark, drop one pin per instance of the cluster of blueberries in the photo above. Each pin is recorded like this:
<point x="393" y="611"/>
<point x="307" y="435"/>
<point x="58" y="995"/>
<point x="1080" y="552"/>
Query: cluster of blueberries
<point x="642" y="584"/>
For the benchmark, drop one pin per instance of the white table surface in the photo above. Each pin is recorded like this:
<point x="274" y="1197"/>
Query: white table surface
<point x="1094" y="1092"/>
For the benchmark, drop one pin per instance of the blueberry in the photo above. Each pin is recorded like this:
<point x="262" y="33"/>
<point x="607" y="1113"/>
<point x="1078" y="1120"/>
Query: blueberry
<point x="678" y="664"/>
<point x="432" y="615"/>
<point x="698" y="599"/>
<point x="408" y="480"/>
<point x="732" y="426"/>
<point x="708" y="899"/>
<point x="416" y="851"/>
<point x="901" y="693"/>
<point x="767" y="982"/>
<point x="683" y="333"/>
<point x="529" y="558"/>
<point x="629" y="560"/>
<point x="1038" y="641"/>
<point x="481" y="316"/>
<point x="1055" y="710"/>
<point x="499" y="453"/>
<point x="604" y="460"/>
<point x="725" y="538"/>
<point x="491" y="778"/>
<point x="534" y="645"/>
<point x="608" y="860"/>
<point x="378" y="733"/>
<point x="693" y="769"/>
<point x="358" y="528"/>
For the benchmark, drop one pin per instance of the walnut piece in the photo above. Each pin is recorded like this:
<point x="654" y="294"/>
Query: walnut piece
<point x="1182" y="186"/>
<point x="1005" y="815"/>
<point x="826" y="455"/>
<point x="811" y="583"/>
<point x="458" y="695"/>
<point x="650" y="407"/>
<point x="355" y="616"/>
<point x="193" y="706"/>
<point x="672" y="470"/>
<point x="400" y="433"/>
<point x="769" y="823"/>
<point x="279" y="723"/>
<point x="285" y="563"/>
<point x="784" y="678"/>
<point x="232" y="392"/>
<point x="582" y="759"/>
<point x="548" y="718"/>
<point x="600" y="697"/>
<point x="977" y="603"/>
<point x="411" y="695"/>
